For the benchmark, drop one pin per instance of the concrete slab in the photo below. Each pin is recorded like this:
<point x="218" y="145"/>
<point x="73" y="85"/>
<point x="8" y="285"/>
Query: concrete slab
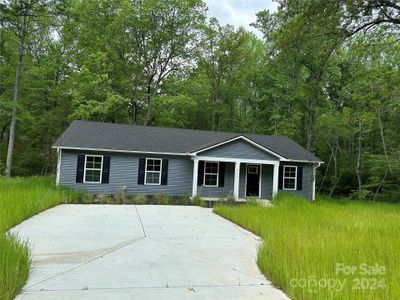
<point x="141" y="252"/>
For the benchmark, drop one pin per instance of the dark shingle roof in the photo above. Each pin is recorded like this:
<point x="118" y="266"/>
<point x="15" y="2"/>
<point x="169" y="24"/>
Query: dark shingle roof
<point x="97" y="135"/>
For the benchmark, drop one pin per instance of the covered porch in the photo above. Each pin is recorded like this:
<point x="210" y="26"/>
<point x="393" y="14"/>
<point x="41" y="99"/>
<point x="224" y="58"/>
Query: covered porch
<point x="218" y="177"/>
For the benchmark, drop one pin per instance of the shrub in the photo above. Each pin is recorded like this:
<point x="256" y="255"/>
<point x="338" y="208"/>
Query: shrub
<point x="139" y="199"/>
<point x="86" y="198"/>
<point x="196" y="200"/>
<point x="230" y="200"/>
<point x="185" y="199"/>
<point x="161" y="198"/>
<point x="121" y="196"/>
<point x="104" y="199"/>
<point x="252" y="201"/>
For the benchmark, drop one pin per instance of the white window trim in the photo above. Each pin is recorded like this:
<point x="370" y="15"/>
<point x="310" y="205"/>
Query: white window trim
<point x="205" y="173"/>
<point x="101" y="169"/>
<point x="295" y="179"/>
<point x="145" y="171"/>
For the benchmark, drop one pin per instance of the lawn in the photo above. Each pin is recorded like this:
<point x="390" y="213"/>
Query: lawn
<point x="21" y="198"/>
<point x="326" y="249"/>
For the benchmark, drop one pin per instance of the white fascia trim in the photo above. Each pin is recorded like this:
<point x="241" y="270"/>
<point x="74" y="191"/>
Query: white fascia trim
<point x="245" y="139"/>
<point x="120" y="151"/>
<point x="228" y="159"/>
<point x="305" y="161"/>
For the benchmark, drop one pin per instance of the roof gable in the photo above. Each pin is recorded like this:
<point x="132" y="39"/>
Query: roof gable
<point x="238" y="147"/>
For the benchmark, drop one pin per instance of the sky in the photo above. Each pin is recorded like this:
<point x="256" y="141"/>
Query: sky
<point x="238" y="12"/>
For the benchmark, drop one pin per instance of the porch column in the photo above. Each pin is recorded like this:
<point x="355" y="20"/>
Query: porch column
<point x="275" y="178"/>
<point x="58" y="165"/>
<point x="195" y="174"/>
<point x="313" y="184"/>
<point x="236" y="180"/>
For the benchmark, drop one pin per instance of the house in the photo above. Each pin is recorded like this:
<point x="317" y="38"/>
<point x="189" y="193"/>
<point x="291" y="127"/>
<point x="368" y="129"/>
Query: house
<point x="107" y="158"/>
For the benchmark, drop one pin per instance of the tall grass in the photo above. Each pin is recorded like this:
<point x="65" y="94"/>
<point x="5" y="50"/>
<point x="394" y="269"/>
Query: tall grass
<point x="21" y="198"/>
<point x="304" y="242"/>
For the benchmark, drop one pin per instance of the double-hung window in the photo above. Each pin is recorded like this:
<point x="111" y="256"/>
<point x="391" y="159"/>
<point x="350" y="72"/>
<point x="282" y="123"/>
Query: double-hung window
<point x="211" y="173"/>
<point x="93" y="168"/>
<point x="153" y="171"/>
<point x="289" y="177"/>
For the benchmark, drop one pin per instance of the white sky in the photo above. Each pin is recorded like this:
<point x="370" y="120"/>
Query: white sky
<point x="238" y="12"/>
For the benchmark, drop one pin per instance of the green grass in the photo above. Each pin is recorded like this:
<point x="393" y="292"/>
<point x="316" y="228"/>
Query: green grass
<point x="304" y="241"/>
<point x="21" y="198"/>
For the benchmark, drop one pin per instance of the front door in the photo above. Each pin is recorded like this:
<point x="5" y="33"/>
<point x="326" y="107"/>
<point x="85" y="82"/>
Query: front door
<point x="253" y="181"/>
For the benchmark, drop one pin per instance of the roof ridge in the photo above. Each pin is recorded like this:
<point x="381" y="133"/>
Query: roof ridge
<point x="186" y="129"/>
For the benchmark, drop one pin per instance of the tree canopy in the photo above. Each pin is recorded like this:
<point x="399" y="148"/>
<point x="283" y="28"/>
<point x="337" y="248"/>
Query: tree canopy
<point x="324" y="73"/>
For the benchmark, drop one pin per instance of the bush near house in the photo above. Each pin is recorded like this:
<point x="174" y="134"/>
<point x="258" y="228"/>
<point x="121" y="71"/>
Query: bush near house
<point x="21" y="198"/>
<point x="307" y="245"/>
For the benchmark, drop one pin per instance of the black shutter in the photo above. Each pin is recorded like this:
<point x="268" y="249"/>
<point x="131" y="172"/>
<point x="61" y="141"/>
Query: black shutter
<point x="280" y="180"/>
<point x="200" y="174"/>
<point x="164" y="172"/>
<point x="221" y="175"/>
<point x="106" y="169"/>
<point x="142" y="165"/>
<point x="299" y="178"/>
<point x="80" y="168"/>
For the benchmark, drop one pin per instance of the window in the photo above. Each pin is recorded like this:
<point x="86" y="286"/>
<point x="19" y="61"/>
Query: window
<point x="153" y="171"/>
<point x="252" y="169"/>
<point x="93" y="168"/>
<point x="289" y="177"/>
<point x="211" y="173"/>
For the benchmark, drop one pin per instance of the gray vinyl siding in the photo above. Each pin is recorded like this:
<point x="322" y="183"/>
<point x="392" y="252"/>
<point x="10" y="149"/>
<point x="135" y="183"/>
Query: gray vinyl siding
<point x="224" y="191"/>
<point x="238" y="149"/>
<point x="242" y="181"/>
<point x="266" y="183"/>
<point x="307" y="185"/>
<point x="124" y="172"/>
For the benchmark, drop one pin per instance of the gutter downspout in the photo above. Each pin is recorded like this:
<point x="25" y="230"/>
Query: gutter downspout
<point x="317" y="165"/>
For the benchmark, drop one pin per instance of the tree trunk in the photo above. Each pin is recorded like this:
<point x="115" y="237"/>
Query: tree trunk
<point x="3" y="132"/>
<point x="310" y="133"/>
<point x="325" y="173"/>
<point x="147" y="117"/>
<point x="11" y="137"/>
<point x="358" y="167"/>
<point x="382" y="132"/>
<point x="378" y="189"/>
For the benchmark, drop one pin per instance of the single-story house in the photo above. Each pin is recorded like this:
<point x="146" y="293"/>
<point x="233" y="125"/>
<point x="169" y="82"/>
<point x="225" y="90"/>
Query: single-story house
<point x="109" y="158"/>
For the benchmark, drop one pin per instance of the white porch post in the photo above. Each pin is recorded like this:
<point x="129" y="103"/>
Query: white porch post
<point x="313" y="184"/>
<point x="195" y="175"/>
<point x="275" y="178"/>
<point x="58" y="165"/>
<point x="236" y="180"/>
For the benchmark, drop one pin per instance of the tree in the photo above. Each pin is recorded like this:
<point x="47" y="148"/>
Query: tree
<point x="142" y="44"/>
<point x="20" y="17"/>
<point x="303" y="36"/>
<point x="362" y="15"/>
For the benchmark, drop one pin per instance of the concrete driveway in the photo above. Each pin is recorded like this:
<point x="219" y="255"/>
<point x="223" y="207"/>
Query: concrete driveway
<point x="141" y="252"/>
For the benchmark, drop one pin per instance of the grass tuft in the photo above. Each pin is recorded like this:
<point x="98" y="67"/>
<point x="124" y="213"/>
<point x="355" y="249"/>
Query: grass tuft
<point x="306" y="240"/>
